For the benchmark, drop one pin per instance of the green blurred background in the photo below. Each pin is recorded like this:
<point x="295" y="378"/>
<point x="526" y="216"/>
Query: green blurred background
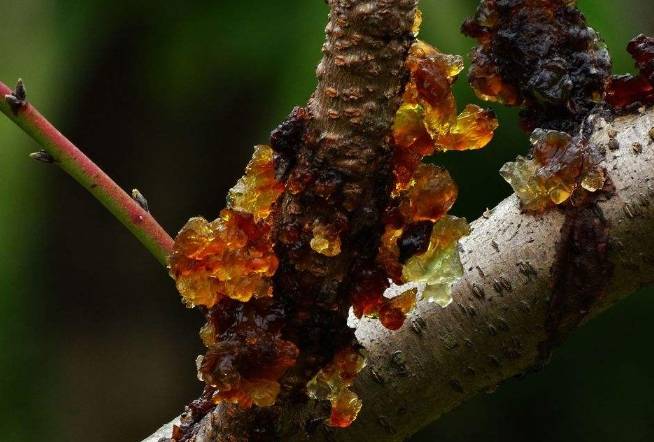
<point x="169" y="97"/>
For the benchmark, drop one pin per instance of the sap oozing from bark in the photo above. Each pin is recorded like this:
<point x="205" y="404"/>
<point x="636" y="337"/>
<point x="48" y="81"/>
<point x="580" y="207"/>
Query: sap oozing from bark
<point x="302" y="239"/>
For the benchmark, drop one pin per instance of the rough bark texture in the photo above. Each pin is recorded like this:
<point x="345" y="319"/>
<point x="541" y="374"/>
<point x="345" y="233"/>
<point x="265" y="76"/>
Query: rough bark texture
<point x="341" y="174"/>
<point x="498" y="322"/>
<point x="495" y="328"/>
<point x="504" y="312"/>
<point x="336" y="158"/>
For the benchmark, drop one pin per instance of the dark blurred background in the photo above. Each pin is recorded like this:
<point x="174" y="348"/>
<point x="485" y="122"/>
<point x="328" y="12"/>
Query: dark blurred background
<point x="169" y="97"/>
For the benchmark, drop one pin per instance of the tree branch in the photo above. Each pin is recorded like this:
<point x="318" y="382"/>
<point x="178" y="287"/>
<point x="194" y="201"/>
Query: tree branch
<point x="71" y="160"/>
<point x="519" y="294"/>
<point x="495" y="328"/>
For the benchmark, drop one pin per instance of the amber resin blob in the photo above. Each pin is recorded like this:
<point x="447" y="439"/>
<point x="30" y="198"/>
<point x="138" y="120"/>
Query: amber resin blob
<point x="231" y="256"/>
<point x="628" y="91"/>
<point x="419" y="243"/>
<point x="560" y="166"/>
<point x="248" y="271"/>
<point x="427" y="121"/>
<point x="226" y="266"/>
<point x="332" y="383"/>
<point x="542" y="56"/>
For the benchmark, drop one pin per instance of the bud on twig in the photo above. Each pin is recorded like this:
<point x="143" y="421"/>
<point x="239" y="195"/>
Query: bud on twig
<point x="42" y="156"/>
<point x="140" y="199"/>
<point x="18" y="98"/>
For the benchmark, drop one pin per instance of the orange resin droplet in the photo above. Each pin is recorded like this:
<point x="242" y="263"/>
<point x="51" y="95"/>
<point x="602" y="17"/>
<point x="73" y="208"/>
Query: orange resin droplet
<point x="258" y="189"/>
<point x="427" y="118"/>
<point x="429" y="195"/>
<point x="389" y="253"/>
<point x="634" y="90"/>
<point x="368" y="293"/>
<point x="450" y="66"/>
<point x="488" y="84"/>
<point x="231" y="256"/>
<point x="432" y="75"/>
<point x="393" y="312"/>
<point x="412" y="248"/>
<point x="325" y="240"/>
<point x="473" y="130"/>
<point x="333" y="383"/>
<point x="560" y="166"/>
<point x="345" y="408"/>
<point x="227" y="266"/>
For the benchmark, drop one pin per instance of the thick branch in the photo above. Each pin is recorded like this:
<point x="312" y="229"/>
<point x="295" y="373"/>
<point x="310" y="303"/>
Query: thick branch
<point x="496" y="326"/>
<point x="73" y="161"/>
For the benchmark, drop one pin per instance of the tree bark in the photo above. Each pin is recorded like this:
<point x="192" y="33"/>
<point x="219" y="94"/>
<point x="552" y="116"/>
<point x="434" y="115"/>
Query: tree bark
<point x="495" y="328"/>
<point x="500" y="324"/>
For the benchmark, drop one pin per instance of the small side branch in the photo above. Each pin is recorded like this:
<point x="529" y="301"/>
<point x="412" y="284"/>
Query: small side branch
<point x="59" y="150"/>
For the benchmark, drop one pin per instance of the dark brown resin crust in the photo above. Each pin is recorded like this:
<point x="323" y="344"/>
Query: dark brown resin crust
<point x="340" y="175"/>
<point x="629" y="92"/>
<point x="543" y="56"/>
<point x="582" y="271"/>
<point x="336" y="158"/>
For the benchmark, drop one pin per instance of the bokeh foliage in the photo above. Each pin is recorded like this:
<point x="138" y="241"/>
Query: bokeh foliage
<point x="169" y="97"/>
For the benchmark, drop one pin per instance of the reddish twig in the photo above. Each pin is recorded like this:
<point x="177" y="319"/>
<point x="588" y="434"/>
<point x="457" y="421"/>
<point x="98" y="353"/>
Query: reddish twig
<point x="59" y="150"/>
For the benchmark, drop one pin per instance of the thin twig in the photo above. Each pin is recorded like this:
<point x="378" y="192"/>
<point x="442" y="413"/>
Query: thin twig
<point x="70" y="159"/>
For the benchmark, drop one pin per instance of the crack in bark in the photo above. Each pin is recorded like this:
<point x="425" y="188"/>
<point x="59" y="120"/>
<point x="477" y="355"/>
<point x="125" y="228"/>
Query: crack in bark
<point x="581" y="273"/>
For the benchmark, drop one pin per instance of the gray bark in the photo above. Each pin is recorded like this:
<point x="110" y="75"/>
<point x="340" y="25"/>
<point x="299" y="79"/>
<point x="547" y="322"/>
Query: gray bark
<point x="495" y="326"/>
